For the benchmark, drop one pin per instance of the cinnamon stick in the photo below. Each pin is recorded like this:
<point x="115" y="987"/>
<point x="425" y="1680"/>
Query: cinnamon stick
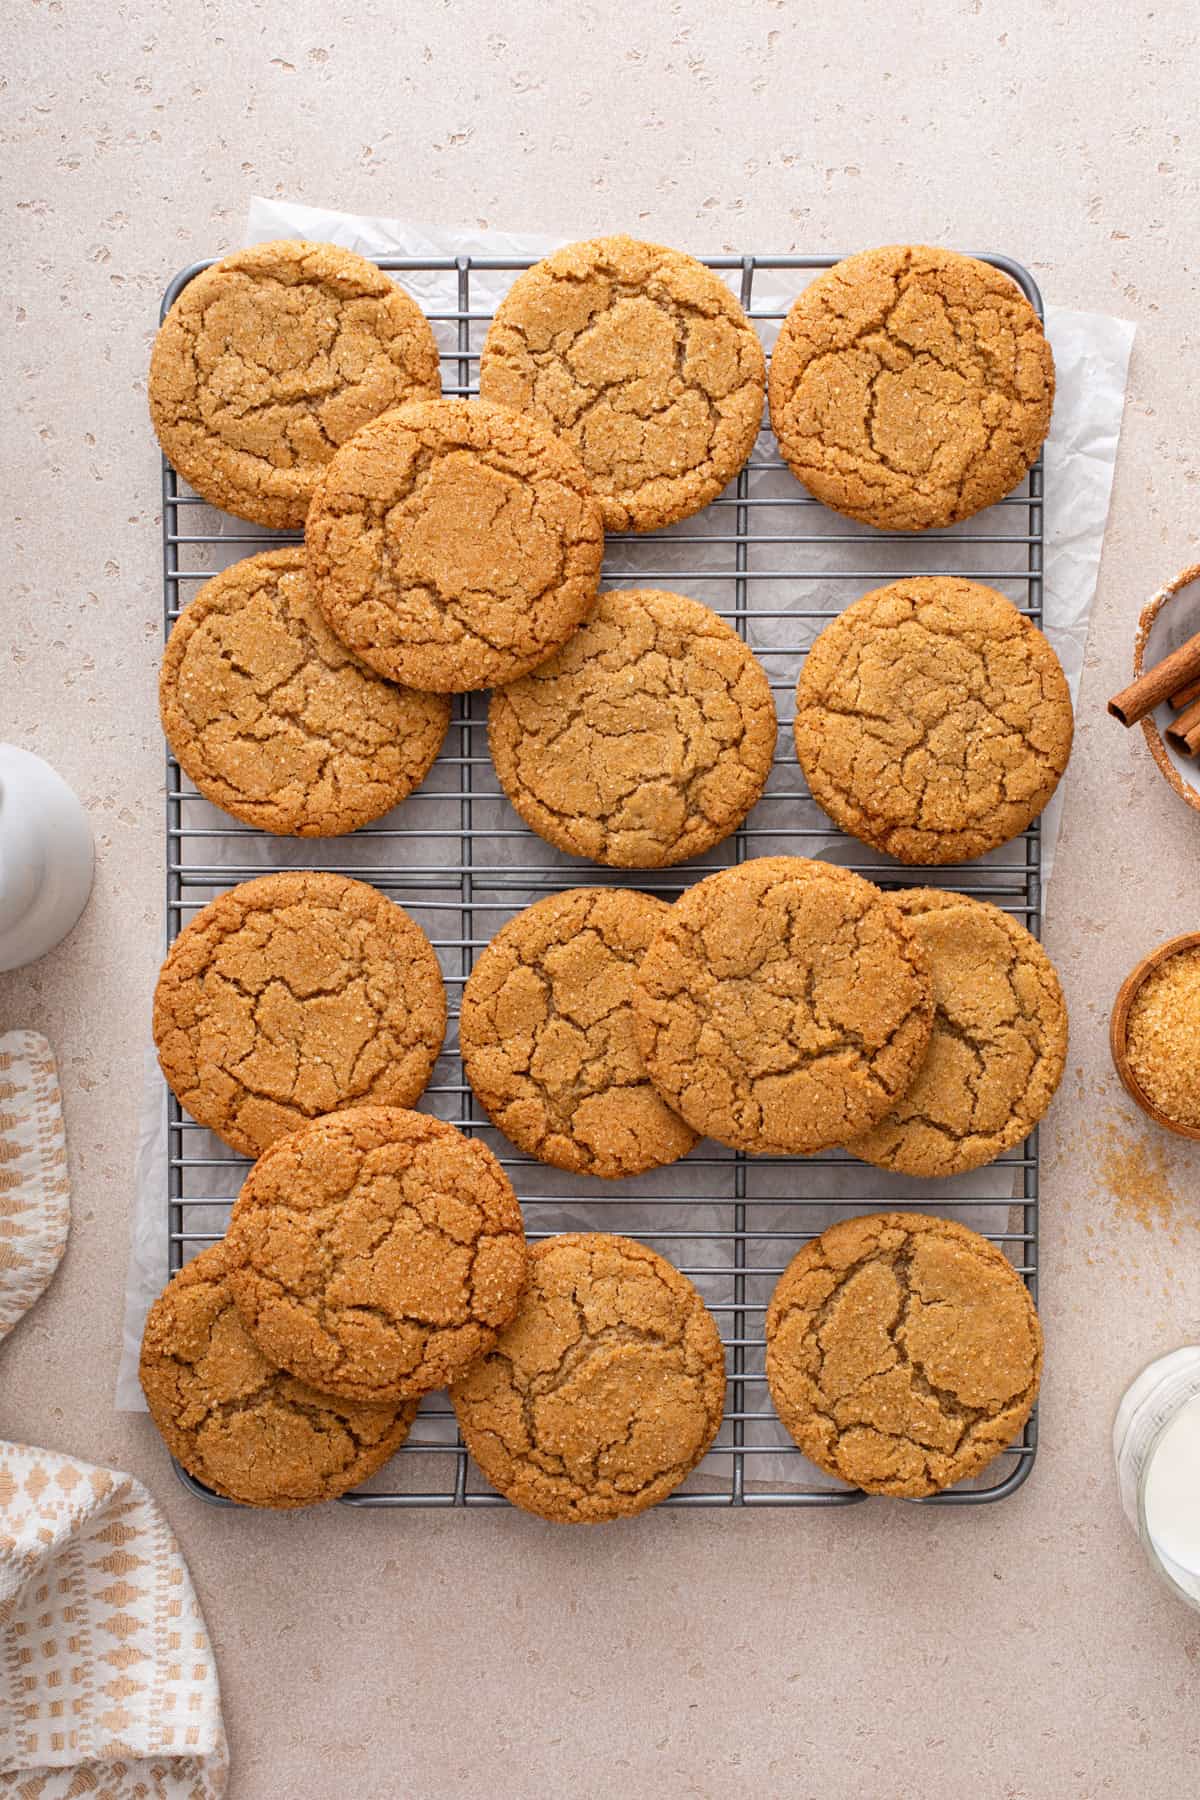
<point x="1186" y="695"/>
<point x="1158" y="684"/>
<point x="1183" y="733"/>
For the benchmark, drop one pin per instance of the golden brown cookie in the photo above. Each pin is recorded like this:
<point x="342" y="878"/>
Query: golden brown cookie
<point x="783" y="1005"/>
<point x="376" y="1253"/>
<point x="605" y="1391"/>
<point x="933" y="720"/>
<point x="271" y="359"/>
<point x="547" y="1037"/>
<point x="275" y="721"/>
<point x="644" y="360"/>
<point x="294" y="995"/>
<point x="454" y="544"/>
<point x="643" y="742"/>
<point x="245" y="1429"/>
<point x="903" y="1352"/>
<point x="998" y="1047"/>
<point x="911" y="387"/>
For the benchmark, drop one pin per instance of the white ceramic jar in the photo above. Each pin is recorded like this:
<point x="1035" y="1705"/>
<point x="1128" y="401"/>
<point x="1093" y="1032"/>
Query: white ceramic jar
<point x="1156" y="1442"/>
<point x="46" y="857"/>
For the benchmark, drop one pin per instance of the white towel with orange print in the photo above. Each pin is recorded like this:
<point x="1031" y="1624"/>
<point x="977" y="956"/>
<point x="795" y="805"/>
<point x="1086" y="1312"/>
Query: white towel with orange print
<point x="108" y="1685"/>
<point x="35" y="1201"/>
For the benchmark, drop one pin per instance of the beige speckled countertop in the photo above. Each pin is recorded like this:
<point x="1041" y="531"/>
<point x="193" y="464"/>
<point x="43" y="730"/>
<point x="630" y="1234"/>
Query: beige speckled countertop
<point x="1019" y="1651"/>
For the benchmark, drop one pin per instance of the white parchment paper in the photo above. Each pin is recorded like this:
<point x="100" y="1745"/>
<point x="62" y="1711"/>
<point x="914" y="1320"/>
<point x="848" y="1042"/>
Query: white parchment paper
<point x="1091" y="355"/>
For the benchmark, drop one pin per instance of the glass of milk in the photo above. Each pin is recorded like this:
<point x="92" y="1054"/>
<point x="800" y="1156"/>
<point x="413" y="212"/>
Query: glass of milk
<point x="1156" y="1440"/>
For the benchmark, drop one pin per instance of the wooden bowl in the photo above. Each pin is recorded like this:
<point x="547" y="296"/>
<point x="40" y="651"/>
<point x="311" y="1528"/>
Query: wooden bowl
<point x="1118" y="1028"/>
<point x="1161" y="628"/>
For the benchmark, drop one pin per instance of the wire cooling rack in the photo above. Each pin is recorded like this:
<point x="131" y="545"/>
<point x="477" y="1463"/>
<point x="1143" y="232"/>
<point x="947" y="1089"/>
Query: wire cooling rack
<point x="777" y="565"/>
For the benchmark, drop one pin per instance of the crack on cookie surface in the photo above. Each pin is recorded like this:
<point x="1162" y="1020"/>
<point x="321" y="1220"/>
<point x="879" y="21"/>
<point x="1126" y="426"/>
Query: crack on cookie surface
<point x="294" y="995"/>
<point x="454" y="544"/>
<point x="376" y="1253"/>
<point x="911" y="387"/>
<point x="642" y="743"/>
<point x="933" y="720"/>
<point x="779" y="1000"/>
<point x="270" y="360"/>
<point x="548" y="1040"/>
<point x="642" y="358"/>
<point x="275" y="721"/>
<point x="903" y="1352"/>
<point x="605" y="1391"/>
<point x="246" y="1429"/>
<point x="998" y="1047"/>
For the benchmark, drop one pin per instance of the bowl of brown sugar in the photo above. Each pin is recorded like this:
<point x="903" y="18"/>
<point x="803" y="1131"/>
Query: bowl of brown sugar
<point x="1155" y="1034"/>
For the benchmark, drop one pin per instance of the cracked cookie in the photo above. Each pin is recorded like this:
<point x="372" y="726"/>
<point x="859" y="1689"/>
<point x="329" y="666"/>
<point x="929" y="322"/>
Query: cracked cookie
<point x="644" y="360"/>
<point x="903" y="1352"/>
<point x="933" y="720"/>
<point x="453" y="545"/>
<point x="270" y="360"/>
<point x="643" y="742"/>
<point x="605" y="1391"/>
<point x="275" y="721"/>
<point x="998" y="1047"/>
<point x="911" y="387"/>
<point x="245" y="1429"/>
<point x="376" y="1253"/>
<point x="292" y="996"/>
<point x="782" y="1005"/>
<point x="548" y="1041"/>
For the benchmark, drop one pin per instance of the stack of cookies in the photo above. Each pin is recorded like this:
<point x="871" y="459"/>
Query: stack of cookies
<point x="377" y="1254"/>
<point x="781" y="1006"/>
<point x="452" y="545"/>
<point x="370" y="1258"/>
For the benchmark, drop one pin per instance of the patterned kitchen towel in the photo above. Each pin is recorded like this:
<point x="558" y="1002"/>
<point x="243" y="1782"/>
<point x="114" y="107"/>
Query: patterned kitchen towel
<point x="35" y="1200"/>
<point x="109" y="1686"/>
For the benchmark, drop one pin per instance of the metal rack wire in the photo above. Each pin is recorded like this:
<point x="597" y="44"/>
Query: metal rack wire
<point x="776" y="564"/>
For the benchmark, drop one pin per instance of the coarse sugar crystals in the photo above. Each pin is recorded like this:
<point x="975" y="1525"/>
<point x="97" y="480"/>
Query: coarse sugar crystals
<point x="1163" y="1036"/>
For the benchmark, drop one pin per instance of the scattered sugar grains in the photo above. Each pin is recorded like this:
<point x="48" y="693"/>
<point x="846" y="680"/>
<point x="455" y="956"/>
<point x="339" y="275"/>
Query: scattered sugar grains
<point x="1163" y="1037"/>
<point x="1136" y="1175"/>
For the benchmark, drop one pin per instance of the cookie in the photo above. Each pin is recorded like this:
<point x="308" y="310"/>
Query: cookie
<point x="376" y="1253"/>
<point x="782" y="1006"/>
<point x="274" y="720"/>
<point x="911" y="387"/>
<point x="453" y="545"/>
<point x="644" y="360"/>
<point x="998" y="1047"/>
<point x="271" y="359"/>
<point x="244" y="1428"/>
<point x="933" y="720"/>
<point x="548" y="1041"/>
<point x="292" y="996"/>
<point x="903" y="1352"/>
<point x="605" y="1391"/>
<point x="645" y="741"/>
